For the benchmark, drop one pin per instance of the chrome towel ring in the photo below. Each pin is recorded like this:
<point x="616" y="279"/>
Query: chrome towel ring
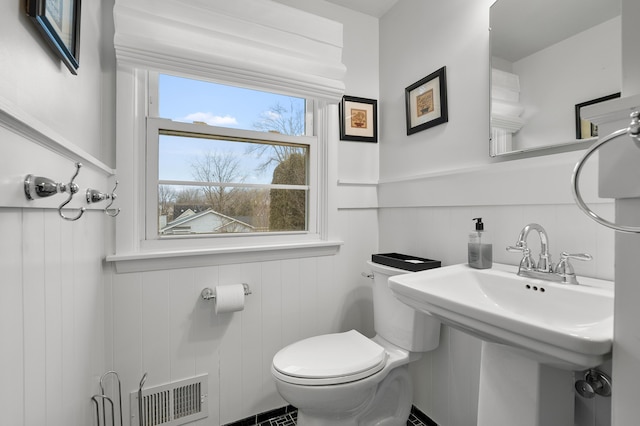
<point x="634" y="132"/>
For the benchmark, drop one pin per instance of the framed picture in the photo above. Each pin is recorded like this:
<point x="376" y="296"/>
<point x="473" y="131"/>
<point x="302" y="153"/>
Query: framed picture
<point x="426" y="102"/>
<point x="584" y="128"/>
<point x="59" y="23"/>
<point x="358" y="119"/>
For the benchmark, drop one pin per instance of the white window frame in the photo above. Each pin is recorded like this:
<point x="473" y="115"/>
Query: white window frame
<point x="154" y="128"/>
<point x="136" y="252"/>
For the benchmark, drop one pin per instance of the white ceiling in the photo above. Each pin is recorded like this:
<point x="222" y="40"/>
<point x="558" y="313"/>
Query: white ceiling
<point x="375" y="8"/>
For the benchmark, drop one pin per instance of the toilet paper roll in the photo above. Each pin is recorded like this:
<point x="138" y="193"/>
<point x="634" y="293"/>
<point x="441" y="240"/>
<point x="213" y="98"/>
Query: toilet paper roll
<point x="229" y="298"/>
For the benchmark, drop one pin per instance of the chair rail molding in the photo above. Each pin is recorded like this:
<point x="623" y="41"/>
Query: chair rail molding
<point x="37" y="149"/>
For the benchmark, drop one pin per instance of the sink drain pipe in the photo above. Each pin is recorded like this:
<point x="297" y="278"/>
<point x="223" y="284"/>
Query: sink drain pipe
<point x="594" y="382"/>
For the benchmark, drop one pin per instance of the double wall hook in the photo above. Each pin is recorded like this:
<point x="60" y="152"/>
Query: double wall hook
<point x="38" y="186"/>
<point x="94" y="196"/>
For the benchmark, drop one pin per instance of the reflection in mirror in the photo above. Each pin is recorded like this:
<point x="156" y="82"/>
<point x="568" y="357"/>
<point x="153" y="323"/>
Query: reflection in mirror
<point x="547" y="56"/>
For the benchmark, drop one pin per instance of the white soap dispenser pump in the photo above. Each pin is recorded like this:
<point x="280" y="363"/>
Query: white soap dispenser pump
<point x="480" y="249"/>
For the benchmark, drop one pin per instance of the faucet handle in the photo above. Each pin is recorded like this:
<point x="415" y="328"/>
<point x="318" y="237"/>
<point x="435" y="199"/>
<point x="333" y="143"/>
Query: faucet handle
<point x="577" y="256"/>
<point x="520" y="247"/>
<point x="527" y="262"/>
<point x="564" y="268"/>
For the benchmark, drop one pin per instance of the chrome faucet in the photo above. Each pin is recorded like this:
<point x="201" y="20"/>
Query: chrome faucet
<point x="544" y="263"/>
<point x="544" y="269"/>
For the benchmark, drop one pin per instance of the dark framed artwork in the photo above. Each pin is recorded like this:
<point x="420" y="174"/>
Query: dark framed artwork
<point x="358" y="119"/>
<point x="426" y="102"/>
<point x="584" y="128"/>
<point x="59" y="23"/>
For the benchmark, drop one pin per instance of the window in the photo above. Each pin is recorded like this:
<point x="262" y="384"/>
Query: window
<point x="224" y="160"/>
<point x="252" y="44"/>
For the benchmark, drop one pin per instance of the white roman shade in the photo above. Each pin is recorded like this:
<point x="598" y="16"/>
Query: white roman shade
<point x="255" y="43"/>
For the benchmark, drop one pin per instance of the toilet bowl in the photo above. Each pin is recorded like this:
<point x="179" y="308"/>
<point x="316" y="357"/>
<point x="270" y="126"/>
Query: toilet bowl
<point x="347" y="379"/>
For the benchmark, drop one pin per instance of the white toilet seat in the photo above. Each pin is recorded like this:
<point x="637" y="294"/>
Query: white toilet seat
<point x="329" y="359"/>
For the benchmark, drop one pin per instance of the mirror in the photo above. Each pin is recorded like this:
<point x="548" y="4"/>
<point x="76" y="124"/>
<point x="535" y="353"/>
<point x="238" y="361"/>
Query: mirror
<point x="548" y="57"/>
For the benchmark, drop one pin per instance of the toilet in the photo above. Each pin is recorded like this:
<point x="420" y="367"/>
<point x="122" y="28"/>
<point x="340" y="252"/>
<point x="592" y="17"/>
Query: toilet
<point x="347" y="379"/>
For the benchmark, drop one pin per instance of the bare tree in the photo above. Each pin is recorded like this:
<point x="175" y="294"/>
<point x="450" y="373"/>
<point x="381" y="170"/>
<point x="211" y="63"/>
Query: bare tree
<point x="185" y="198"/>
<point x="279" y="119"/>
<point x="188" y="195"/>
<point x="282" y="120"/>
<point x="218" y="167"/>
<point x="166" y="199"/>
<point x="287" y="208"/>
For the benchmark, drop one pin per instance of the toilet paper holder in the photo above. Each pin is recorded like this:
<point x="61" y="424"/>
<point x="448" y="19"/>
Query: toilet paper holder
<point x="209" y="294"/>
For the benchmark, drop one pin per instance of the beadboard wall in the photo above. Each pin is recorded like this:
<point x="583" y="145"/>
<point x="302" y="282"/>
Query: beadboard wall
<point x="52" y="350"/>
<point x="159" y="324"/>
<point x="447" y="384"/>
<point x="51" y="316"/>
<point x="434" y="223"/>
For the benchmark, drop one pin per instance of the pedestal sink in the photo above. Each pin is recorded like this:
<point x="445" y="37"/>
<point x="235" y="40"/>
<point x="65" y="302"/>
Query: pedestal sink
<point x="535" y="334"/>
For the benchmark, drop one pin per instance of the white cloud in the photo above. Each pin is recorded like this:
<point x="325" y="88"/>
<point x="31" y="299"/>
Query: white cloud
<point x="271" y="115"/>
<point x="211" y="119"/>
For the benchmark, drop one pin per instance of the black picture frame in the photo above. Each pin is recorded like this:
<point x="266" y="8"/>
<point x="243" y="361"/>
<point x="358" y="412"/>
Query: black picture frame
<point x="584" y="128"/>
<point x="426" y="102"/>
<point x="59" y="23"/>
<point x="358" y="119"/>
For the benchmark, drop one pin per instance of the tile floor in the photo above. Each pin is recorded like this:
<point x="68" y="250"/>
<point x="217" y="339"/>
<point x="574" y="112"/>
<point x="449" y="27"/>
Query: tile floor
<point x="287" y="417"/>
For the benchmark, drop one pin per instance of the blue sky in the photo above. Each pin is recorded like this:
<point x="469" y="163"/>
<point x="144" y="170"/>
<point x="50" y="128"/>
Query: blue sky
<point x="217" y="105"/>
<point x="192" y="100"/>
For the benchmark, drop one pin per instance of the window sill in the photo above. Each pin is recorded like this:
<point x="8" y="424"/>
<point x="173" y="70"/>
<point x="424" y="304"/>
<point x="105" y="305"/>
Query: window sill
<point x="175" y="259"/>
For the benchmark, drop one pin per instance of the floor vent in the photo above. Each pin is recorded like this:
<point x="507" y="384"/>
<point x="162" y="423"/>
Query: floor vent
<point x="173" y="404"/>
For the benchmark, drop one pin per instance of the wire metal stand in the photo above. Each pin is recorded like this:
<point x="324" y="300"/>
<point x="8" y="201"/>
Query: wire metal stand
<point x="105" y="399"/>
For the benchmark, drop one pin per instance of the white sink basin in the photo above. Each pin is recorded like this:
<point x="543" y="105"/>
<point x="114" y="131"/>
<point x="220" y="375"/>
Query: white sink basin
<point x="561" y="325"/>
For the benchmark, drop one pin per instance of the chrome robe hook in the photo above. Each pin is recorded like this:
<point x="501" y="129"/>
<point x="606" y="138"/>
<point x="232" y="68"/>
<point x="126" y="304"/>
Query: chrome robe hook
<point x="40" y="187"/>
<point x="94" y="196"/>
<point x="72" y="189"/>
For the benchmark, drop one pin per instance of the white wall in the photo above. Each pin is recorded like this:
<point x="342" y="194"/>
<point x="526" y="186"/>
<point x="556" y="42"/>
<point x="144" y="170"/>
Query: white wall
<point x="33" y="79"/>
<point x="158" y="324"/>
<point x="416" y="39"/>
<point x="51" y="293"/>
<point x="435" y="181"/>
<point x="358" y="162"/>
<point x="551" y="85"/>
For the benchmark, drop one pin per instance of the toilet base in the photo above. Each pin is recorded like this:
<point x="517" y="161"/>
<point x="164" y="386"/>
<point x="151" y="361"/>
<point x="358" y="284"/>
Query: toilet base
<point x="388" y="404"/>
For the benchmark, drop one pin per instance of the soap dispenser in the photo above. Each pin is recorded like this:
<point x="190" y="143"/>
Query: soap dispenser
<point x="480" y="247"/>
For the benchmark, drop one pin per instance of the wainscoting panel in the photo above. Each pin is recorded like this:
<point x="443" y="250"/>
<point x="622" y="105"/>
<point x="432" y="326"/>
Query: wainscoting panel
<point x="161" y="325"/>
<point x="51" y="316"/>
<point x="11" y="316"/>
<point x="447" y="384"/>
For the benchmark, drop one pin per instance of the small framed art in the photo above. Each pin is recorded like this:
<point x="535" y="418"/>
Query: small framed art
<point x="426" y="102"/>
<point x="59" y="23"/>
<point x="584" y="128"/>
<point x="358" y="119"/>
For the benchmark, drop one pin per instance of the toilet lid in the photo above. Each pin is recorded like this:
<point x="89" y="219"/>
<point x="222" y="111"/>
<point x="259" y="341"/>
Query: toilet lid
<point x="337" y="357"/>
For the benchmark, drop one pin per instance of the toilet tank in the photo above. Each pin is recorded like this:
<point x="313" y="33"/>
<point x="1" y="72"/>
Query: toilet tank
<point x="396" y="322"/>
